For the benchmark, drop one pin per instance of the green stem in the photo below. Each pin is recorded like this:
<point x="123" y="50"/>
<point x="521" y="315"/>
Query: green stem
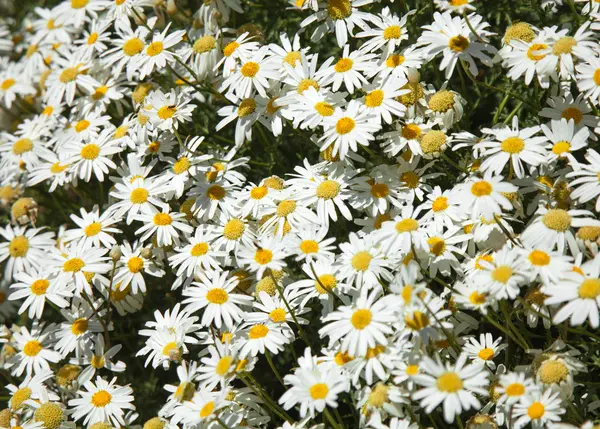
<point x="330" y="418"/>
<point x="500" y="109"/>
<point x="291" y="310"/>
<point x="273" y="368"/>
<point x="510" y="334"/>
<point x="466" y="17"/>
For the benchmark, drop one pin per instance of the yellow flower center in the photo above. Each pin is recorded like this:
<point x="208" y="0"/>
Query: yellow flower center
<point x="217" y="296"/>
<point x="339" y="9"/>
<point x="7" y="84"/>
<point x="278" y="315"/>
<point x="309" y="246"/>
<point x="19" y="397"/>
<point x="247" y="107"/>
<point x="519" y="31"/>
<point x="286" y="207"/>
<point x="343" y="65"/>
<point x="437" y="245"/>
<point x="207" y="410"/>
<point x="21" y="146"/>
<point x="101" y="398"/>
<point x="324" y="109"/>
<point x="342" y="358"/>
<point x="344" y="125"/>
<point x="458" y="43"/>
<point x="263" y="256"/>
<point x="392" y="32"/>
<point x="250" y="69"/>
<point x="199" y="249"/>
<point x="258" y="192"/>
<point x="170" y="348"/>
<point x="258" y="331"/>
<point x="90" y="151"/>
<point x="100" y="92"/>
<point x="412" y="370"/>
<point x="410" y="179"/>
<point x="589" y="289"/>
<point x="361" y="261"/>
<point x="361" y="319"/>
<point x="557" y="220"/>
<point x="539" y="258"/>
<point x="234" y="229"/>
<point x="502" y="274"/>
<point x="80" y="326"/>
<point x="411" y="131"/>
<point x="477" y="298"/>
<point x="154" y="48"/>
<point x="79" y="4"/>
<point x="185" y="391"/>
<point x="39" y="287"/>
<point x="416" y="321"/>
<point x="223" y="365"/>
<point x="307" y="83"/>
<point x="535" y="410"/>
<point x="162" y="219"/>
<point x="328" y="281"/>
<point x="573" y="113"/>
<point x="597" y="77"/>
<point x="230" y="48"/>
<point x="292" y="58"/>
<point x="215" y="192"/>
<point x="93" y="229"/>
<point x="97" y="362"/>
<point x="515" y="389"/>
<point x="433" y="141"/>
<point x="319" y="391"/>
<point x="182" y="165"/>
<point x="378" y="396"/>
<point x="481" y="188"/>
<point x="32" y="348"/>
<point x="133" y="46"/>
<point x="328" y="189"/>
<point x="486" y="354"/>
<point x="561" y="147"/>
<point x="68" y="75"/>
<point x="535" y="48"/>
<point x="204" y="44"/>
<point x="73" y="265"/>
<point x="138" y="196"/>
<point x="553" y="371"/>
<point x="18" y="246"/>
<point x="92" y="38"/>
<point x="135" y="264"/>
<point x="439" y="204"/>
<point x="394" y="61"/>
<point x="589" y="233"/>
<point x="374" y="98"/>
<point x="441" y="101"/>
<point x="274" y="182"/>
<point x="50" y="414"/>
<point x="512" y="145"/>
<point x="166" y="112"/>
<point x="407" y="225"/>
<point x="564" y="45"/>
<point x="449" y="382"/>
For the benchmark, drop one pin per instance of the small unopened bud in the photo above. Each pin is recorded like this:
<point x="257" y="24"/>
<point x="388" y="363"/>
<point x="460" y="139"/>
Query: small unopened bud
<point x="146" y="253"/>
<point x="24" y="210"/>
<point x="5" y="418"/>
<point x="115" y="253"/>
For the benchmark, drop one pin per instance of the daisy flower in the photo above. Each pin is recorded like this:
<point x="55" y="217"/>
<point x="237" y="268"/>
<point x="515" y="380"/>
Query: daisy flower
<point x="344" y="130"/>
<point x="246" y="112"/>
<point x="485" y="350"/>
<point x="363" y="325"/>
<point x="348" y="70"/>
<point x="199" y="254"/>
<point x="167" y="110"/>
<point x="538" y="408"/>
<point x="403" y="232"/>
<point x="563" y="140"/>
<point x="92" y="156"/>
<point x="362" y="262"/>
<point x="138" y="196"/>
<point x="453" y="385"/>
<point x="390" y="31"/>
<point x="157" y="54"/>
<point x="132" y="268"/>
<point x="94" y="230"/>
<point x="588" y="78"/>
<point x="381" y="98"/>
<point x="37" y="287"/>
<point x="76" y="263"/>
<point x="97" y="359"/>
<point x="24" y="248"/>
<point x="79" y="329"/>
<point x="254" y="74"/>
<point x="485" y="197"/>
<point x="219" y="367"/>
<point x="165" y="225"/>
<point x="586" y="185"/>
<point x="213" y="294"/>
<point x="34" y="351"/>
<point x="513" y="386"/>
<point x="505" y="275"/>
<point x="262" y="337"/>
<point x="265" y="254"/>
<point x="102" y="401"/>
<point x="310" y="244"/>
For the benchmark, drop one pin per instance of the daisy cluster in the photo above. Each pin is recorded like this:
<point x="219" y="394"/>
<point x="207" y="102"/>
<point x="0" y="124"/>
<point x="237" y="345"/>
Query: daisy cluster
<point x="425" y="257"/>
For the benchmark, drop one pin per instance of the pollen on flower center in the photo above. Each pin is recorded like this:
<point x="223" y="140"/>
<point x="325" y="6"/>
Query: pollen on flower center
<point x="512" y="145"/>
<point x="80" y="326"/>
<point x="207" y="409"/>
<point x="589" y="289"/>
<point x="374" y="98"/>
<point x="307" y="83"/>
<point x="439" y="204"/>
<point x="138" y="196"/>
<point x="258" y="192"/>
<point x="486" y="354"/>
<point x="90" y="151"/>
<point x="234" y="229"/>
<point x="324" y="109"/>
<point x="345" y="125"/>
<point x="216" y="192"/>
<point x="93" y="229"/>
<point x="68" y="75"/>
<point x="328" y="189"/>
<point x="217" y="296"/>
<point x="502" y="274"/>
<point x="97" y="361"/>
<point x="361" y="261"/>
<point x="133" y="46"/>
<point x="437" y="245"/>
<point x="19" y="397"/>
<point x="230" y="48"/>
<point x="441" y="101"/>
<point x="481" y="188"/>
<point x="407" y="225"/>
<point x="394" y="61"/>
<point x="162" y="219"/>
<point x="410" y="179"/>
<point x="539" y="258"/>
<point x="18" y="246"/>
<point x="361" y="319"/>
<point x="39" y="287"/>
<point x="258" y="331"/>
<point x="309" y="246"/>
<point x="343" y="65"/>
<point x="73" y="265"/>
<point x="557" y="220"/>
<point x="250" y="69"/>
<point x="223" y="365"/>
<point x="573" y="113"/>
<point x="325" y="283"/>
<point x="392" y="32"/>
<point x="21" y="146"/>
<point x="433" y="141"/>
<point x="101" y="398"/>
<point x="135" y="264"/>
<point x="515" y="389"/>
<point x="339" y="9"/>
<point x="536" y="47"/>
<point x="32" y="348"/>
<point x="50" y="414"/>
<point x="553" y="371"/>
<point x="79" y="4"/>
<point x="92" y="38"/>
<point x="154" y="48"/>
<point x="204" y="44"/>
<point x="166" y="112"/>
<point x="199" y="249"/>
<point x="82" y="125"/>
<point x="477" y="298"/>
<point x="519" y="31"/>
<point x="561" y="147"/>
<point x="597" y="77"/>
<point x="449" y="382"/>
<point x="458" y="43"/>
<point x="278" y="315"/>
<point x="564" y="45"/>
<point x="416" y="321"/>
<point x="182" y="165"/>
<point x="536" y="410"/>
<point x="7" y="84"/>
<point x="286" y="207"/>
<point x="411" y="131"/>
<point x="247" y="107"/>
<point x="319" y="391"/>
<point x="292" y="58"/>
<point x="263" y="256"/>
<point x="589" y="233"/>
